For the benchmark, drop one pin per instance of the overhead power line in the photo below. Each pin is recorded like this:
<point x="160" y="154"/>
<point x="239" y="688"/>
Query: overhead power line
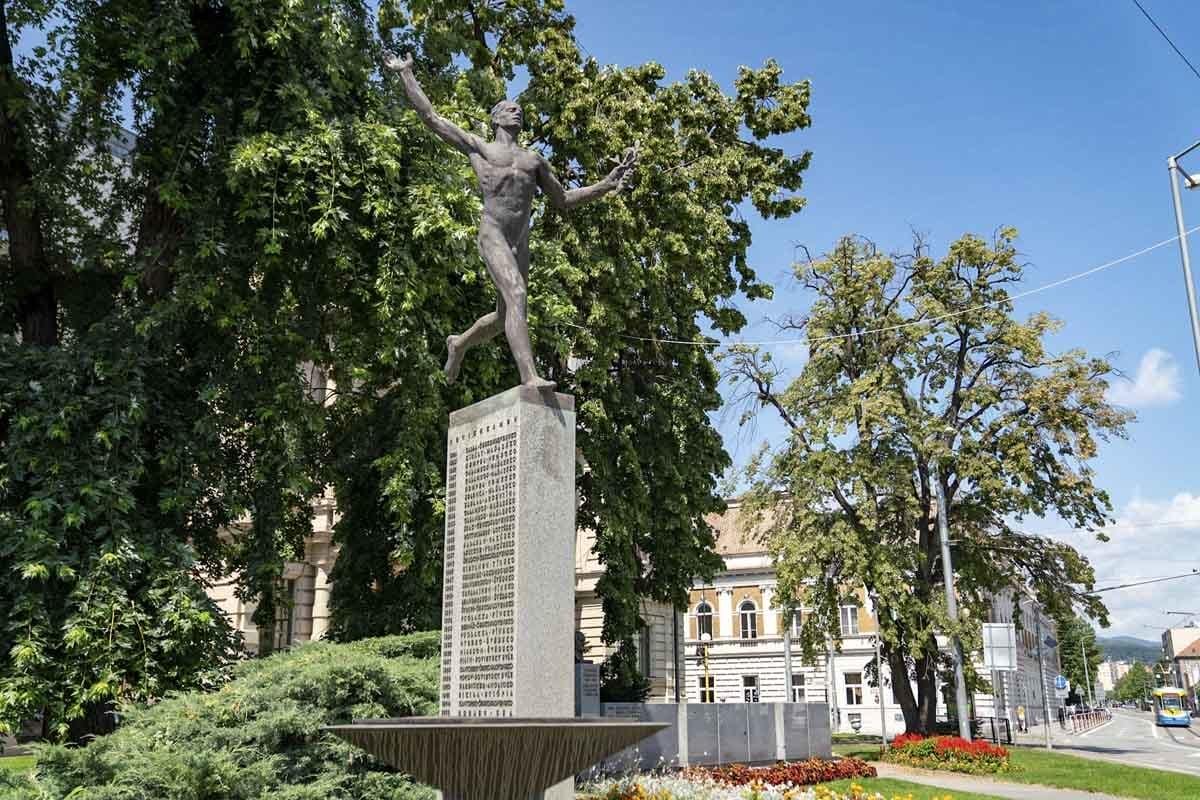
<point x="1186" y="523"/>
<point x="1163" y="33"/>
<point x="915" y="322"/>
<point x="1192" y="574"/>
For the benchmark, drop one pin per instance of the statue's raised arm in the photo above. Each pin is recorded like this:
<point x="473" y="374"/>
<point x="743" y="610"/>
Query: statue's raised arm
<point x="446" y="130"/>
<point x="567" y="198"/>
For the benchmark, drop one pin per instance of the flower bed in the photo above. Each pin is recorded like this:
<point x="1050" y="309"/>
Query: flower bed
<point x="797" y="773"/>
<point x="951" y="753"/>
<point x="697" y="787"/>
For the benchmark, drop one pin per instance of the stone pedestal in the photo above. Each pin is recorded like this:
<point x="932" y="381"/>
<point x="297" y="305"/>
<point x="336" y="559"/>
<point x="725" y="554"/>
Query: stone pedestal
<point x="508" y="639"/>
<point x="506" y="730"/>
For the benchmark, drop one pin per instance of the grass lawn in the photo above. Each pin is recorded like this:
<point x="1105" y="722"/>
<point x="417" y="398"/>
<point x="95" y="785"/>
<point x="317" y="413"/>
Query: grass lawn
<point x="1093" y="775"/>
<point x="889" y="787"/>
<point x="1072" y="772"/>
<point x="867" y="752"/>
<point x="16" y="763"/>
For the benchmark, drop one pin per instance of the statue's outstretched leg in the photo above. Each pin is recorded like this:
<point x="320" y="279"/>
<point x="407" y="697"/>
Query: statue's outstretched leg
<point x="485" y="328"/>
<point x="501" y="259"/>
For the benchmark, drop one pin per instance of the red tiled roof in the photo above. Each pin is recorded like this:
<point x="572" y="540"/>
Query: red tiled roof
<point x="731" y="535"/>
<point x="1191" y="651"/>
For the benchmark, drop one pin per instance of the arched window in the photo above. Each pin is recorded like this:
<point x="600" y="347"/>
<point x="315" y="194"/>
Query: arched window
<point x="704" y="614"/>
<point x="749" y="616"/>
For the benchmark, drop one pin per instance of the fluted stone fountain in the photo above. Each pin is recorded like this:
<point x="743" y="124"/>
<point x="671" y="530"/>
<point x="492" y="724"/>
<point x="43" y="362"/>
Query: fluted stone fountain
<point x="478" y="758"/>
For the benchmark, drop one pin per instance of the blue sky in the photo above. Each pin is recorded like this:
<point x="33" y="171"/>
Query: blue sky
<point x="949" y="117"/>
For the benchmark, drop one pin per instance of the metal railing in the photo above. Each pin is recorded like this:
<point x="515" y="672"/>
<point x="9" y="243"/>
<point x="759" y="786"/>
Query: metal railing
<point x="995" y="729"/>
<point x="1088" y="720"/>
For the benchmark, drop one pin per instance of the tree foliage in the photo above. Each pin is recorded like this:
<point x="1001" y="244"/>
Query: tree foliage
<point x="234" y="248"/>
<point x="918" y="371"/>
<point x="1077" y="640"/>
<point x="1135" y="685"/>
<point x="257" y="736"/>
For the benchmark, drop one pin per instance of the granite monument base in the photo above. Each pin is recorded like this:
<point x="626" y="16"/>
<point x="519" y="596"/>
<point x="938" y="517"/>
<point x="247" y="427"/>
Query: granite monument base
<point x="508" y="604"/>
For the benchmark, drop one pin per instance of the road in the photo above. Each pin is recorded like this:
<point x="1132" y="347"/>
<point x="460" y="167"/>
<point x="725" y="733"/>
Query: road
<point x="1133" y="738"/>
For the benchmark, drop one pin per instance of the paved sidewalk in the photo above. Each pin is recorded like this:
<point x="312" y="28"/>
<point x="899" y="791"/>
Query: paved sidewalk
<point x="956" y="782"/>
<point x="1036" y="737"/>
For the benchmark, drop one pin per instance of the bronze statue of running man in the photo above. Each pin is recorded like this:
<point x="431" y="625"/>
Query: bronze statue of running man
<point x="508" y="177"/>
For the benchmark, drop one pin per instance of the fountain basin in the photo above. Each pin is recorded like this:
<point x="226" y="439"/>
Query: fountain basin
<point x="506" y="758"/>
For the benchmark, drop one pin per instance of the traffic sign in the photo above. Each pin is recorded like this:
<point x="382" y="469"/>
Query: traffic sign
<point x="1060" y="682"/>
<point x="1051" y="642"/>
<point x="1000" y="646"/>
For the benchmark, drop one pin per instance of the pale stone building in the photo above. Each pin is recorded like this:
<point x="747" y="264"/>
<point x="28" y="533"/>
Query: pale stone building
<point x="1111" y="672"/>
<point x="1181" y="647"/>
<point x="660" y="645"/>
<point x="746" y="659"/>
<point x="305" y="614"/>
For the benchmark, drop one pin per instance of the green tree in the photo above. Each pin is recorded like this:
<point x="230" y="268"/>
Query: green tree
<point x="918" y="373"/>
<point x="1134" y="685"/>
<point x="209" y="206"/>
<point x="1075" y="639"/>
<point x="614" y="287"/>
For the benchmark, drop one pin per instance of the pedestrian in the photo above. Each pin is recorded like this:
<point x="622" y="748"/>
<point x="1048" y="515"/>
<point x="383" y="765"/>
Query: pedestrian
<point x="1021" y="719"/>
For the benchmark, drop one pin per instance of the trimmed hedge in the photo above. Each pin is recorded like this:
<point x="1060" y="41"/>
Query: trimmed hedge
<point x="257" y="737"/>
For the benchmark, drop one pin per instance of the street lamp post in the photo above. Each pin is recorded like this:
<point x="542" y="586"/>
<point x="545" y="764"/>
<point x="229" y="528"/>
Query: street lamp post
<point x="1086" y="676"/>
<point x="956" y="651"/>
<point x="1192" y="182"/>
<point x="879" y="686"/>
<point x="1042" y="678"/>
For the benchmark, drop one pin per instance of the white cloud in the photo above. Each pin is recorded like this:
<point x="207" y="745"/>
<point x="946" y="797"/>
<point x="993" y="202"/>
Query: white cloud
<point x="1155" y="384"/>
<point x="1151" y="539"/>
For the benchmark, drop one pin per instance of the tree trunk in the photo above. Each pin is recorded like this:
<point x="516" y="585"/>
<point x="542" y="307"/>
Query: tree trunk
<point x="902" y="689"/>
<point x="35" y="303"/>
<point x="98" y="719"/>
<point x="927" y="690"/>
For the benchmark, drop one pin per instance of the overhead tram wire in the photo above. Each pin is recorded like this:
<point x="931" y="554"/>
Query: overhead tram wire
<point x="1192" y="574"/>
<point x="1163" y="33"/>
<point x="911" y="323"/>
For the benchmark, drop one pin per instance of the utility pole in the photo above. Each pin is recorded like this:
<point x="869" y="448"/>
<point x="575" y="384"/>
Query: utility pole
<point x="960" y="680"/>
<point x="879" y="685"/>
<point x="1086" y="675"/>
<point x="787" y="656"/>
<point x="1042" y="678"/>
<point x="1190" y="287"/>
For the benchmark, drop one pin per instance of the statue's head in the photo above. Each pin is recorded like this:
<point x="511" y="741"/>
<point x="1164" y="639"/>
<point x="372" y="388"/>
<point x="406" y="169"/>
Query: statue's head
<point x="507" y="114"/>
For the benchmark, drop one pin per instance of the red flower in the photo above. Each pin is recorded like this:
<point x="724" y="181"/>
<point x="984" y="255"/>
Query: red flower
<point x="801" y="773"/>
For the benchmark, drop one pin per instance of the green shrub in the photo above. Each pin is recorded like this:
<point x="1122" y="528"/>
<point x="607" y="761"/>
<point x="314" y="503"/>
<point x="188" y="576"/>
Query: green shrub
<point x="257" y="737"/>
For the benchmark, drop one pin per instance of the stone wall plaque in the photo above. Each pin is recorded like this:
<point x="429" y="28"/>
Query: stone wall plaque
<point x="587" y="689"/>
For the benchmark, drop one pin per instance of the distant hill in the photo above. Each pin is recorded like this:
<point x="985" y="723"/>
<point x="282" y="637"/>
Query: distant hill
<point x="1129" y="648"/>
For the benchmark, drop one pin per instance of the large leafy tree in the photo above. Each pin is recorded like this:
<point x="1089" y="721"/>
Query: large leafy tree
<point x="208" y="204"/>
<point x="919" y="372"/>
<point x="161" y="297"/>
<point x="1077" y="647"/>
<point x="614" y="288"/>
